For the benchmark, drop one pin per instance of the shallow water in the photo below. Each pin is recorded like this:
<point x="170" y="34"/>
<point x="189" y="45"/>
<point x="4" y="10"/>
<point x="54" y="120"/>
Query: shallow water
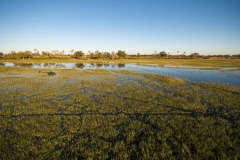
<point x="191" y="74"/>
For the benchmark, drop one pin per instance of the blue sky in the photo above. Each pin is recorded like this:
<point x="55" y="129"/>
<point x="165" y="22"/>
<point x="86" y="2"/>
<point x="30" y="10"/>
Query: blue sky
<point x="144" y="26"/>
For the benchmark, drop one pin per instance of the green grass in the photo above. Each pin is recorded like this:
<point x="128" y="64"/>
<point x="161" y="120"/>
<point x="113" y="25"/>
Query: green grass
<point x="97" y="114"/>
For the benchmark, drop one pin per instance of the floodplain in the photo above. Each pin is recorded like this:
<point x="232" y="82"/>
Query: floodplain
<point x="115" y="114"/>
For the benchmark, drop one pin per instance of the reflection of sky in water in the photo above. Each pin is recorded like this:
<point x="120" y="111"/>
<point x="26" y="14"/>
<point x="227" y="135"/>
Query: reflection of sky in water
<point x="193" y="74"/>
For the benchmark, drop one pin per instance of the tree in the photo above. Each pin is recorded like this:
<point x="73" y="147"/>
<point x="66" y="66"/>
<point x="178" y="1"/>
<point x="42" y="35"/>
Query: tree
<point x="98" y="55"/>
<point x="194" y="55"/>
<point x="78" y="54"/>
<point x="106" y="55"/>
<point x="1" y="55"/>
<point x="163" y="54"/>
<point x="92" y="55"/>
<point x="23" y="55"/>
<point x="114" y="55"/>
<point x="45" y="53"/>
<point x="121" y="54"/>
<point x="28" y="54"/>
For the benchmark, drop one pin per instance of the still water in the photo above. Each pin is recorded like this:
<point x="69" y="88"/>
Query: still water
<point x="191" y="74"/>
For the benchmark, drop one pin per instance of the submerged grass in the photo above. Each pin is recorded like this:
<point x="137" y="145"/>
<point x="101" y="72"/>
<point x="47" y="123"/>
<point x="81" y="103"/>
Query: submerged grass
<point x="100" y="114"/>
<point x="165" y="79"/>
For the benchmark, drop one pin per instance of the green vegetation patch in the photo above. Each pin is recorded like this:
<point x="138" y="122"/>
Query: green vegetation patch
<point x="101" y="114"/>
<point x="165" y="79"/>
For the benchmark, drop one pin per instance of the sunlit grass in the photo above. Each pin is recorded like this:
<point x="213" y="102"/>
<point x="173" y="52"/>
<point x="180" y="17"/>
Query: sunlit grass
<point x="100" y="114"/>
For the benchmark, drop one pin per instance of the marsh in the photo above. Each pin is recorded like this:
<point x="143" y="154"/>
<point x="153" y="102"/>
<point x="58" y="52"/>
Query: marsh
<point x="92" y="113"/>
<point x="225" y="75"/>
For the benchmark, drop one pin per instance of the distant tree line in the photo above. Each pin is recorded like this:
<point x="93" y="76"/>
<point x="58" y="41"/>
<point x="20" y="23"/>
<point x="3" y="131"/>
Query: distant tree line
<point x="99" y="55"/>
<point x="18" y="55"/>
<point x="55" y="54"/>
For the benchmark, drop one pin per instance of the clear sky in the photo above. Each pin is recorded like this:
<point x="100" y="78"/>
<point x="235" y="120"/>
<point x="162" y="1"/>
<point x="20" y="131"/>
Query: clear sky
<point x="144" y="26"/>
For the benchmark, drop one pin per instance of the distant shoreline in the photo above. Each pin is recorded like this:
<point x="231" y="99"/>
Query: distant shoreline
<point x="213" y="63"/>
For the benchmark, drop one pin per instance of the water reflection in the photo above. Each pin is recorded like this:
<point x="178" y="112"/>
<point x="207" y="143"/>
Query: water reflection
<point x="79" y="65"/>
<point x="113" y="65"/>
<point x="106" y="65"/>
<point x="120" y="65"/>
<point x="60" y="65"/>
<point x="99" y="65"/>
<point x="48" y="65"/>
<point x="197" y="75"/>
<point x="38" y="65"/>
<point x="27" y="65"/>
<point x="66" y="65"/>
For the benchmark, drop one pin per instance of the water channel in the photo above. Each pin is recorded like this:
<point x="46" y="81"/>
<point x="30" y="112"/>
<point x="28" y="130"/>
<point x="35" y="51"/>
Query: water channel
<point x="192" y="74"/>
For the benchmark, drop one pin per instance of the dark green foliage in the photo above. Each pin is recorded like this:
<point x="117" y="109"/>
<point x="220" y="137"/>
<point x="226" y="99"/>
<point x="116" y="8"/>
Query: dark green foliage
<point x="162" y="54"/>
<point x="78" y="54"/>
<point x="20" y="55"/>
<point x="1" y="55"/>
<point x="195" y="55"/>
<point x="121" y="54"/>
<point x="45" y="53"/>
